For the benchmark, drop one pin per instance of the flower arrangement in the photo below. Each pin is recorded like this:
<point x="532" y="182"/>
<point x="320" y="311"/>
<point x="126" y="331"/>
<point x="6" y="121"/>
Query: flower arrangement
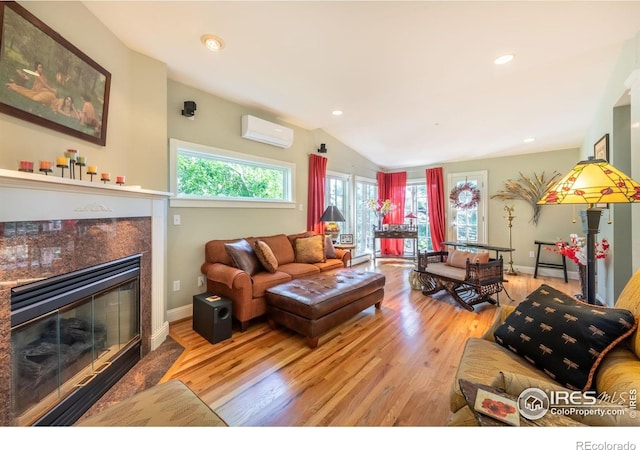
<point x="380" y="207"/>
<point x="575" y="249"/>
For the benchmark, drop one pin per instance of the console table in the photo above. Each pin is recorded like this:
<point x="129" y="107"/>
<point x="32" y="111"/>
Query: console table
<point x="457" y="244"/>
<point x="396" y="234"/>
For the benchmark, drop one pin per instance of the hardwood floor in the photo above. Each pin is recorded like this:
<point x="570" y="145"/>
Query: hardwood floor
<point x="387" y="367"/>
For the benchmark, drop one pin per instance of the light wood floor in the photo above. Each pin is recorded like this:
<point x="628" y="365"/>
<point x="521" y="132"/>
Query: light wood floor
<point x="392" y="366"/>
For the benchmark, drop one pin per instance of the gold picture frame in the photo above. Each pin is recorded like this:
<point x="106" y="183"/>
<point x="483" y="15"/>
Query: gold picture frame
<point x="601" y="148"/>
<point x="601" y="151"/>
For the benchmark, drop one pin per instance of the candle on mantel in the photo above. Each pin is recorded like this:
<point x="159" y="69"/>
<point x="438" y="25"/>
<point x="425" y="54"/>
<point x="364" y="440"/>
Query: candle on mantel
<point x="45" y="165"/>
<point x="62" y="161"/>
<point x="81" y="161"/>
<point x="106" y="176"/>
<point x="71" y="153"/>
<point x="92" y="170"/>
<point x="26" y="166"/>
<point x="120" y="179"/>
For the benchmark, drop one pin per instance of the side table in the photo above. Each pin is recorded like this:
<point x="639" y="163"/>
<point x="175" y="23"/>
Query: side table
<point x="212" y="317"/>
<point x="348" y="248"/>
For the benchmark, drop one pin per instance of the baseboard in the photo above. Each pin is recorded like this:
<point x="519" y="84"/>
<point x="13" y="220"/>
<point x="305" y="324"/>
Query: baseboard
<point x="545" y="272"/>
<point x="182" y="312"/>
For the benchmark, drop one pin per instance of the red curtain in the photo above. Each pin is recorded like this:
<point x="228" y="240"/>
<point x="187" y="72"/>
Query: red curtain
<point x="435" y="201"/>
<point x="315" y="199"/>
<point x="392" y="186"/>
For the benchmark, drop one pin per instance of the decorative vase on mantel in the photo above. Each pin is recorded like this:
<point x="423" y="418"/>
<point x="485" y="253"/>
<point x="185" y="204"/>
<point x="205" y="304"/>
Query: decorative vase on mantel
<point x="380" y="217"/>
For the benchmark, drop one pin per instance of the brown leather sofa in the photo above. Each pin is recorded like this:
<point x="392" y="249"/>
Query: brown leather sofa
<point x="246" y="291"/>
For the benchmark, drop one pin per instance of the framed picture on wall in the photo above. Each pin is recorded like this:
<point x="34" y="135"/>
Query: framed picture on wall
<point x="47" y="81"/>
<point x="601" y="151"/>
<point x="601" y="148"/>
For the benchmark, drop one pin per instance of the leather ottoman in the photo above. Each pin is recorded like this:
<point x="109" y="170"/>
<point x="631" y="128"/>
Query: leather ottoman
<point x="316" y="303"/>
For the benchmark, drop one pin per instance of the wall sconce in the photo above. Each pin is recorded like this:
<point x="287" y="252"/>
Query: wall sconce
<point x="322" y="149"/>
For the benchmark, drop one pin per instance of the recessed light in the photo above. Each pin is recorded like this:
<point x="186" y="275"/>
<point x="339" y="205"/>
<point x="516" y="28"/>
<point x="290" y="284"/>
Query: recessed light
<point x="529" y="140"/>
<point x="504" y="59"/>
<point x="213" y="43"/>
<point x="337" y="112"/>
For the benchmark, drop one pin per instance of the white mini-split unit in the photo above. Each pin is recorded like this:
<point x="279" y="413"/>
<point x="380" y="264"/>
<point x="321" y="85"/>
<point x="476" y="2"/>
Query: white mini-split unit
<point x="266" y="132"/>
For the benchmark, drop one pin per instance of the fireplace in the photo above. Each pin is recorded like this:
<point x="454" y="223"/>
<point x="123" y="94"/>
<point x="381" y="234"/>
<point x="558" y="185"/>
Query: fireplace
<point x="72" y="337"/>
<point x="59" y="231"/>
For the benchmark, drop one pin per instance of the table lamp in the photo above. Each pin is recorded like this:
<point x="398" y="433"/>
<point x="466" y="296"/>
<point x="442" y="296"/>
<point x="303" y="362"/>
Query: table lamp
<point x="332" y="215"/>
<point x="590" y="183"/>
<point x="411" y="216"/>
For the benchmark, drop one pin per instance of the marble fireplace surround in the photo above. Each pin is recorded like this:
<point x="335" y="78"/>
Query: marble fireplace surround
<point x="92" y="223"/>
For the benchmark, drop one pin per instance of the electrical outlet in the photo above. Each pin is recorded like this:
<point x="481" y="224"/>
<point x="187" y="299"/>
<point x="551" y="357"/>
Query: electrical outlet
<point x="176" y="219"/>
<point x="176" y="286"/>
<point x="531" y="254"/>
<point x="200" y="281"/>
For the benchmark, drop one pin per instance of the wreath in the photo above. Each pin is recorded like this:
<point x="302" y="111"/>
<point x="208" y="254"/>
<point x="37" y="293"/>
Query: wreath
<point x="465" y="196"/>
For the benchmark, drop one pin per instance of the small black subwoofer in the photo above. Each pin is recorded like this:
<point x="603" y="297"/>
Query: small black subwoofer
<point x="212" y="317"/>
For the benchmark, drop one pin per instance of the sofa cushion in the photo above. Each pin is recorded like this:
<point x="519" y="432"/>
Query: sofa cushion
<point x="329" y="249"/>
<point x="266" y="256"/>
<point x="563" y="336"/>
<point x="630" y="299"/>
<point x="243" y="256"/>
<point x="309" y="250"/>
<point x="458" y="258"/>
<point x="281" y="247"/>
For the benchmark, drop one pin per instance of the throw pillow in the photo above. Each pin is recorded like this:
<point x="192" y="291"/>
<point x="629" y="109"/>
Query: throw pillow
<point x="243" y="256"/>
<point x="564" y="337"/>
<point x="329" y="249"/>
<point x="458" y="258"/>
<point x="310" y="249"/>
<point x="266" y="256"/>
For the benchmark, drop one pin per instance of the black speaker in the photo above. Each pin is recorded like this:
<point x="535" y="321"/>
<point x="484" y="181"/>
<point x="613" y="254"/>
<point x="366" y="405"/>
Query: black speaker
<point x="212" y="318"/>
<point x="189" y="108"/>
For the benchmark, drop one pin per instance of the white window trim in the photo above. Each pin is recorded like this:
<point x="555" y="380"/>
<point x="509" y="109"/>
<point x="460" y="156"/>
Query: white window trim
<point x="198" y="202"/>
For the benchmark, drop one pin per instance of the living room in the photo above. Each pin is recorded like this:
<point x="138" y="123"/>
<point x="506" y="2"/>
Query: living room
<point x="145" y="112"/>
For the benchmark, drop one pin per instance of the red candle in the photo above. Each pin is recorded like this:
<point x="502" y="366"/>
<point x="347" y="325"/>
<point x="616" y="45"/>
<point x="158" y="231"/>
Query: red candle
<point x="120" y="179"/>
<point x="26" y="165"/>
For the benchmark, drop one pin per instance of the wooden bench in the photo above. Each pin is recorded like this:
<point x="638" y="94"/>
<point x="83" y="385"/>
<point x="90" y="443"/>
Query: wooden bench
<point x="476" y="283"/>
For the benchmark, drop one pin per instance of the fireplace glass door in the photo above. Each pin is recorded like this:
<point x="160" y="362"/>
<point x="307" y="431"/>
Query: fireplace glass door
<point x="63" y="350"/>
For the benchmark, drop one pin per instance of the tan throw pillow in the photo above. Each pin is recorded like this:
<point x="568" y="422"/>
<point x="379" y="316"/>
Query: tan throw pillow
<point x="266" y="256"/>
<point x="310" y="249"/>
<point x="482" y="257"/>
<point x="458" y="258"/>
<point x="329" y="249"/>
<point x="243" y="256"/>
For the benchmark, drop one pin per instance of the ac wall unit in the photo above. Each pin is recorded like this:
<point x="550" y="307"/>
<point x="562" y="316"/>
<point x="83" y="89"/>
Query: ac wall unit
<point x="267" y="132"/>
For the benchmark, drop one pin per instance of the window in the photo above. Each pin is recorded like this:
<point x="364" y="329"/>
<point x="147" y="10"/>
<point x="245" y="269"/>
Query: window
<point x="365" y="218"/>
<point x="209" y="176"/>
<point x="415" y="202"/>
<point x="337" y="194"/>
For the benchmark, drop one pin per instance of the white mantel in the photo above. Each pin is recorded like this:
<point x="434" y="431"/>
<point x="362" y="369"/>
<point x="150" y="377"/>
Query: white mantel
<point x="33" y="197"/>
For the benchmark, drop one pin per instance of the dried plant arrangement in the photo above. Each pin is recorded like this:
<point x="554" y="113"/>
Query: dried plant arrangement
<point x="528" y="189"/>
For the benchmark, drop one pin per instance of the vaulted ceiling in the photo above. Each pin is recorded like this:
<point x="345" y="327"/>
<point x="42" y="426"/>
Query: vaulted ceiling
<point x="416" y="80"/>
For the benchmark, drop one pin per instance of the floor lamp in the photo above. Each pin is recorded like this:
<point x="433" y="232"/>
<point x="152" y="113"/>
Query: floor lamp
<point x="592" y="182"/>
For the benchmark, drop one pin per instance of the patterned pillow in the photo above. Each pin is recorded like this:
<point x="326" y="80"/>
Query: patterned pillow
<point x="564" y="337"/>
<point x="266" y="256"/>
<point x="310" y="249"/>
<point x="329" y="249"/>
<point x="243" y="256"/>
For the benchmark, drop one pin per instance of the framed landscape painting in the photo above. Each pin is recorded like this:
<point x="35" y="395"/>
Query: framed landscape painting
<point x="48" y="81"/>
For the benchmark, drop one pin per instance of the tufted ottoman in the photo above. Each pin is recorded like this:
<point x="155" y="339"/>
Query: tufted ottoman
<point x="314" y="304"/>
